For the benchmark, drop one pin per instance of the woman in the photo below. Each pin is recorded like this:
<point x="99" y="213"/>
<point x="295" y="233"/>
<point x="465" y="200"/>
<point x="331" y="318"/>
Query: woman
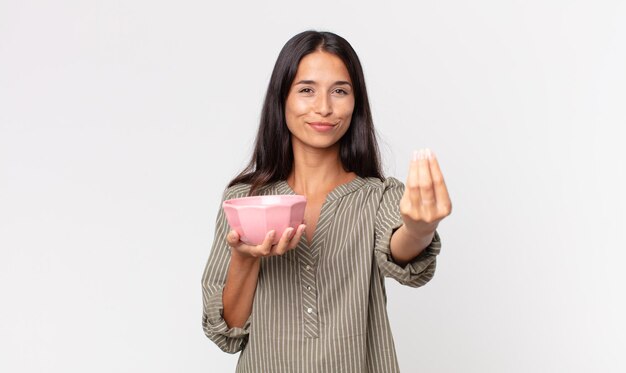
<point x="316" y="300"/>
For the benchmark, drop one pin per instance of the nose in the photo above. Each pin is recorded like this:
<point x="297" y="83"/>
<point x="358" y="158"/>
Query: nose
<point x="323" y="105"/>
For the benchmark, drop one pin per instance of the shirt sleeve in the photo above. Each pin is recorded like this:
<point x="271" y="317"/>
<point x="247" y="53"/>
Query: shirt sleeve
<point x="230" y="340"/>
<point x="422" y="268"/>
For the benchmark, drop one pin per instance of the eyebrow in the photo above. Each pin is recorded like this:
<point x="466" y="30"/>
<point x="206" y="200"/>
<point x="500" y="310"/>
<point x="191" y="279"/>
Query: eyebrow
<point x="338" y="82"/>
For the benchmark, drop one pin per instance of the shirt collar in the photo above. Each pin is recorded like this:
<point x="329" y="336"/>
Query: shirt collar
<point x="282" y="187"/>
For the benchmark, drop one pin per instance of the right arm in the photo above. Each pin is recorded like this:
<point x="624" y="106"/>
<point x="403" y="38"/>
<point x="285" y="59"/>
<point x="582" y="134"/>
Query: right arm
<point x="243" y="272"/>
<point x="241" y="280"/>
<point x="229" y="282"/>
<point x="229" y="339"/>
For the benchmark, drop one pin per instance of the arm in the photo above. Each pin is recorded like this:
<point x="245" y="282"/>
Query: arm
<point x="418" y="271"/>
<point x="405" y="247"/>
<point x="407" y="242"/>
<point x="238" y="295"/>
<point x="243" y="271"/>
<point x="228" y="338"/>
<point x="230" y="279"/>
<point x="425" y="202"/>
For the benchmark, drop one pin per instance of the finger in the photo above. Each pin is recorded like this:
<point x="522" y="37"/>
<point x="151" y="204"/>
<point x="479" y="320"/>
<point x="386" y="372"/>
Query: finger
<point x="265" y="247"/>
<point x="441" y="191"/>
<point x="293" y="243"/>
<point x="281" y="246"/>
<point x="234" y="241"/>
<point x="412" y="184"/>
<point x="232" y="238"/>
<point x="427" y="194"/>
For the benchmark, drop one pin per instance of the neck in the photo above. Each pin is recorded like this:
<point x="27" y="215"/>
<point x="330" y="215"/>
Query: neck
<point x="316" y="172"/>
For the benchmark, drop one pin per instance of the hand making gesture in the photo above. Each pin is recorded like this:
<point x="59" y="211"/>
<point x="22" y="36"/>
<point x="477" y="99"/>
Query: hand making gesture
<point x="425" y="201"/>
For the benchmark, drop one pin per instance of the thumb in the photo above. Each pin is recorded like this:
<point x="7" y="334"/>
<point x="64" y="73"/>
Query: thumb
<point x="232" y="238"/>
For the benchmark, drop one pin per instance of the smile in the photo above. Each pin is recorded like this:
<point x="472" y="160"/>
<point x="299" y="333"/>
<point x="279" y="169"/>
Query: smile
<point x="322" y="126"/>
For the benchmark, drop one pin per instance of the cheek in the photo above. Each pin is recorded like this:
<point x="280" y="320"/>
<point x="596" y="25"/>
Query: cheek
<point x="296" y="107"/>
<point x="347" y="109"/>
<point x="293" y="111"/>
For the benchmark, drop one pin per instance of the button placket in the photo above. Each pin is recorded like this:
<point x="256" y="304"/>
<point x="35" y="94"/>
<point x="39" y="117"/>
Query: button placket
<point x="309" y="298"/>
<point x="308" y="271"/>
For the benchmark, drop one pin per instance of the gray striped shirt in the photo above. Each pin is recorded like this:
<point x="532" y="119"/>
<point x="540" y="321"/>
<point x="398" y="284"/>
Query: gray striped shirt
<point x="322" y="306"/>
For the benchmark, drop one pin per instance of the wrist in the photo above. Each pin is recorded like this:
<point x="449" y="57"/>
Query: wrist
<point x="242" y="259"/>
<point x="418" y="235"/>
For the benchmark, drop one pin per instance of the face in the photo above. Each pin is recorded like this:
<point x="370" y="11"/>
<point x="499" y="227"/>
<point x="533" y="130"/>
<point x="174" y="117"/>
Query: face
<point x="320" y="102"/>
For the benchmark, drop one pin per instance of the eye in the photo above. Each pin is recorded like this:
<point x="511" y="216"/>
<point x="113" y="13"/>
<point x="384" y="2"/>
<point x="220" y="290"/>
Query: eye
<point x="342" y="91"/>
<point x="305" y="90"/>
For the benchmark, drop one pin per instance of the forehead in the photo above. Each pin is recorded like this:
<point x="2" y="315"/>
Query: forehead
<point x="321" y="66"/>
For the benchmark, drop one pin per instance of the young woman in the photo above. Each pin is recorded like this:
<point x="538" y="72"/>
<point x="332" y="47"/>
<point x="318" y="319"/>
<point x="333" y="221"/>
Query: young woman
<point x="315" y="302"/>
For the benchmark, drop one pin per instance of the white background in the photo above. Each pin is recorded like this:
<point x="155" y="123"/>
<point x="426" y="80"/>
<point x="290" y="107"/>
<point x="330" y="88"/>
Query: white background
<point x="122" y="121"/>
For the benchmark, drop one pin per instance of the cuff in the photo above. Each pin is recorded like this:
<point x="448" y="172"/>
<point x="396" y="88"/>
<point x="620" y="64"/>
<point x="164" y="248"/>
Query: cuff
<point x="418" y="271"/>
<point x="215" y="318"/>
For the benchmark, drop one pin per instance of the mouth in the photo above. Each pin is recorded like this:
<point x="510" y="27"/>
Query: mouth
<point x="322" y="126"/>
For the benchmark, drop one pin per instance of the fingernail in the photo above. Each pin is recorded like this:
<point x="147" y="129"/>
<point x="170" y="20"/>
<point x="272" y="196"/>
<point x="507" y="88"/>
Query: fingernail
<point x="415" y="155"/>
<point x="419" y="154"/>
<point x="271" y="234"/>
<point x="290" y="232"/>
<point x="428" y="154"/>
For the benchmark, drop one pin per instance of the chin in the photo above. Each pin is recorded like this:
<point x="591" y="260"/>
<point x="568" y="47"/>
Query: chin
<point x="323" y="144"/>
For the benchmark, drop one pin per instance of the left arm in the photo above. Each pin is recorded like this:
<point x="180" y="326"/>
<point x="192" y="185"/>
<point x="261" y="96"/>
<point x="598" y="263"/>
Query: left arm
<point x="424" y="204"/>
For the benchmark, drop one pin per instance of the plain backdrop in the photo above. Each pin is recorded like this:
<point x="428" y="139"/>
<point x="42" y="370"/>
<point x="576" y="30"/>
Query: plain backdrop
<point x="122" y="121"/>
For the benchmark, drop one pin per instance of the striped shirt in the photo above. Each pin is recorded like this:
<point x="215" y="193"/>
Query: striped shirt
<point x="320" y="307"/>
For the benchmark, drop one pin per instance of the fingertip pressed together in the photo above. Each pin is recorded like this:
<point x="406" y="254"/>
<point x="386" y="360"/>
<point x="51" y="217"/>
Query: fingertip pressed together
<point x="425" y="153"/>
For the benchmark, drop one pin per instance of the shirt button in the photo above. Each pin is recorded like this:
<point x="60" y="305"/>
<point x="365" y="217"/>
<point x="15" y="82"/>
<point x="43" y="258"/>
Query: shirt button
<point x="309" y="310"/>
<point x="307" y="267"/>
<point x="308" y="287"/>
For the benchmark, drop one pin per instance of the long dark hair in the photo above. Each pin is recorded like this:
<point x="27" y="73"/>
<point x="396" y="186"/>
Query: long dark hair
<point x="273" y="155"/>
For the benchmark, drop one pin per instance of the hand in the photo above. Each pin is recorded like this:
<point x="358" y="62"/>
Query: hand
<point x="287" y="242"/>
<point x="425" y="201"/>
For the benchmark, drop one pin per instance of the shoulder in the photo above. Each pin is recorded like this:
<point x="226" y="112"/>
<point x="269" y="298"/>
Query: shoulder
<point x="243" y="190"/>
<point x="385" y="194"/>
<point x="236" y="191"/>
<point x="390" y="183"/>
